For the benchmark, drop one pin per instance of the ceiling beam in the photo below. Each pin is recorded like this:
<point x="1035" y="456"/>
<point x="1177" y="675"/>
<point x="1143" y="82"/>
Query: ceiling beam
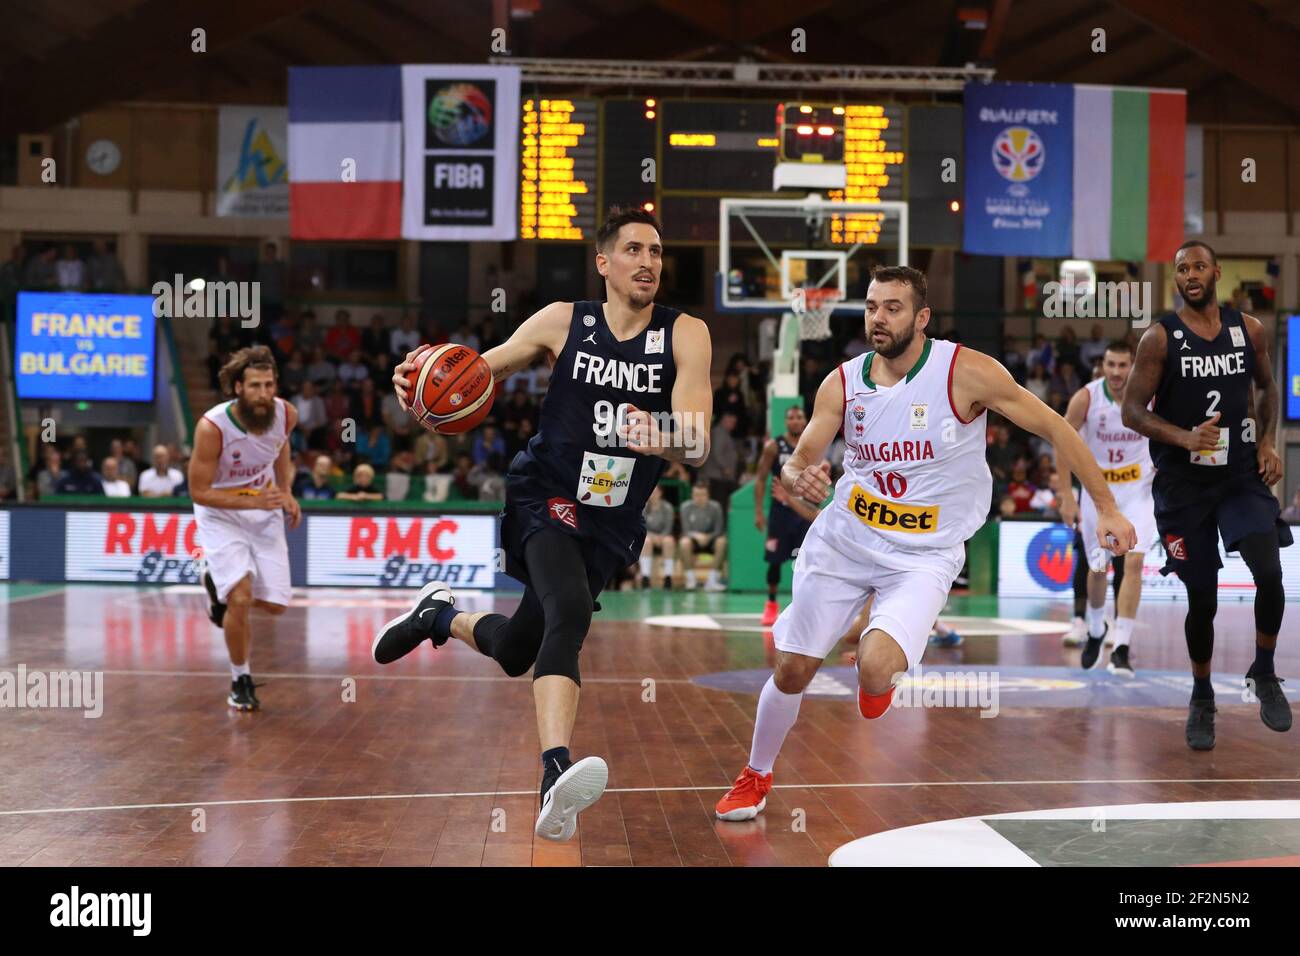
<point x="993" y="32"/>
<point x="738" y="21"/>
<point x="1233" y="36"/>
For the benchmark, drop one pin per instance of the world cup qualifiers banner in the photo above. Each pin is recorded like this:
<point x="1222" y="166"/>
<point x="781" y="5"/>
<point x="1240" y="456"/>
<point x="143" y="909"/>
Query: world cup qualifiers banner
<point x="460" y="126"/>
<point x="1019" y="158"/>
<point x="85" y="347"/>
<point x="252" y="173"/>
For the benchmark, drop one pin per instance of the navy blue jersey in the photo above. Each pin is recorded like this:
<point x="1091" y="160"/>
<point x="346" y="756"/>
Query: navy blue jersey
<point x="784" y="449"/>
<point x="574" y="473"/>
<point x="1202" y="377"/>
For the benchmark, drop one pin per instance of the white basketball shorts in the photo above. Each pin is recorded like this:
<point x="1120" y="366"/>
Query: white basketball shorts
<point x="240" y="543"/>
<point x="1138" y="507"/>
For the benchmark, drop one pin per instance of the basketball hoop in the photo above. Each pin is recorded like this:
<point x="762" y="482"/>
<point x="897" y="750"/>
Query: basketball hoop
<point x="815" y="314"/>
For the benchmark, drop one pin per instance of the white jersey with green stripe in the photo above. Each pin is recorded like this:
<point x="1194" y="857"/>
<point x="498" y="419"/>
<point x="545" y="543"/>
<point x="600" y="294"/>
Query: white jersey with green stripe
<point x="915" y="478"/>
<point x="1123" y="455"/>
<point x="247" y="460"/>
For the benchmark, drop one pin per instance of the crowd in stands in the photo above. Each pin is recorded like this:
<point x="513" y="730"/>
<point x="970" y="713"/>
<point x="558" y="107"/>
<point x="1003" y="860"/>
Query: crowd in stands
<point x="72" y="469"/>
<point x="60" y="268"/>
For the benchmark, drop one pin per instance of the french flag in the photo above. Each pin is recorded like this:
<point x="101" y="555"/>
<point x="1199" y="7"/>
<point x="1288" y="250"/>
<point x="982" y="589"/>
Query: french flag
<point x="337" y="114"/>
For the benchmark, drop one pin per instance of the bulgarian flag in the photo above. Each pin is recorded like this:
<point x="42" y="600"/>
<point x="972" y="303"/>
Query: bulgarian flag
<point x="1129" y="165"/>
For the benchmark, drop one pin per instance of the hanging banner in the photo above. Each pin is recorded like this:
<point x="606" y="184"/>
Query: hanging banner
<point x="1018" y="161"/>
<point x="460" y="127"/>
<point x="252" y="157"/>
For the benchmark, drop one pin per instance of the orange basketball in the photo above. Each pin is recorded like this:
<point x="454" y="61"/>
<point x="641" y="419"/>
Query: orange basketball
<point x="451" y="388"/>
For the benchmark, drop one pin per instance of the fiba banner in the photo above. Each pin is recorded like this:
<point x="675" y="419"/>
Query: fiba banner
<point x="4" y="546"/>
<point x="85" y="347"/>
<point x="151" y="547"/>
<point x="1019" y="148"/>
<point x="402" y="552"/>
<point x="460" y="126"/>
<point x="1036" y="560"/>
<point x="252" y="172"/>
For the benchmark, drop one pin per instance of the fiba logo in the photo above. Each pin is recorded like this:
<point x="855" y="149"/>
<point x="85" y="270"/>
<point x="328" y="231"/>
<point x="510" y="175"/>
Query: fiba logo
<point x="1050" y="558"/>
<point x="456" y="398"/>
<point x="460" y="114"/>
<point x="1018" y="154"/>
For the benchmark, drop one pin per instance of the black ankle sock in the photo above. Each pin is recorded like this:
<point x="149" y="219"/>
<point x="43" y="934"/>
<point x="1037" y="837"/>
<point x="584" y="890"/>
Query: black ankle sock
<point x="442" y="622"/>
<point x="554" y="762"/>
<point x="1263" y="665"/>
<point x="1202" y="689"/>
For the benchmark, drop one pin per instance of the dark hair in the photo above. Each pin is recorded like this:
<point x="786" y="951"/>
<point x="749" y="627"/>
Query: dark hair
<point x="1119" y="345"/>
<point x="1193" y="243"/>
<point x="617" y="218"/>
<point x="906" y="275"/>
<point x="255" y="356"/>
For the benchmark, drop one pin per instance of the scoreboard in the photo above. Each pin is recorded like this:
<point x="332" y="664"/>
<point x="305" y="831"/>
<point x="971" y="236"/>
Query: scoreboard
<point x="557" y="169"/>
<point x="677" y="157"/>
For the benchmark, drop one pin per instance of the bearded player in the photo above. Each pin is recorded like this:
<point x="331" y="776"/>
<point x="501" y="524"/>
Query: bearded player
<point x="240" y="478"/>
<point x="915" y="487"/>
<point x="623" y="370"/>
<point x="1125" y="462"/>
<point x="1216" y="458"/>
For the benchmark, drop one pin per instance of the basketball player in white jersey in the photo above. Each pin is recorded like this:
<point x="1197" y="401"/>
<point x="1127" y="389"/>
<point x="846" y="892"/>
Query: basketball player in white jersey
<point x="1125" y="461"/>
<point x="915" y="487"/>
<point x="240" y="476"/>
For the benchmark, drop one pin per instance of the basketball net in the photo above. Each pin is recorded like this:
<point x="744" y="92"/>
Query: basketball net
<point x="815" y="314"/>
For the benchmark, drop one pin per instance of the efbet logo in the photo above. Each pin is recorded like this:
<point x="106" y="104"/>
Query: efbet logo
<point x="892" y="516"/>
<point x="1050" y="557"/>
<point x="1119" y="476"/>
<point x="1018" y="154"/>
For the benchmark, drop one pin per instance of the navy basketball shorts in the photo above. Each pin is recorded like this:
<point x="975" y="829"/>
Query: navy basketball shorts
<point x="521" y="519"/>
<point x="785" y="534"/>
<point x="1192" y="515"/>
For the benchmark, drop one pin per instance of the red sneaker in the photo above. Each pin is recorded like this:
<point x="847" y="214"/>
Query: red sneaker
<point x="771" y="610"/>
<point x="747" y="796"/>
<point x="872" y="706"/>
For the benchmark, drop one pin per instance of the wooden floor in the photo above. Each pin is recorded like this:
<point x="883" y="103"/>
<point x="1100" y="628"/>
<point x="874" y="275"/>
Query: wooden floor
<point x="435" y="760"/>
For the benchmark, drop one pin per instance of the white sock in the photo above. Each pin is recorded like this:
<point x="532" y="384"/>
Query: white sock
<point x="1123" y="630"/>
<point x="713" y="576"/>
<point x="777" y="713"/>
<point x="690" y="578"/>
<point x="239" y="670"/>
<point x="1096" y="620"/>
<point x="645" y="566"/>
<point x="1077" y="622"/>
<point x="668" y="567"/>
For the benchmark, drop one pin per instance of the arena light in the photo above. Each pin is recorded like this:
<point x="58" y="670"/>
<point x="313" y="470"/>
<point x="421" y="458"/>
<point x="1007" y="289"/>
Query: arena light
<point x="955" y="205"/>
<point x="803" y="130"/>
<point x="805" y="109"/>
<point x="648" y="207"/>
<point x="649" y="114"/>
<point x="825" y="131"/>
<point x="650" y="104"/>
<point x="837" y="110"/>
<point x="195" y="285"/>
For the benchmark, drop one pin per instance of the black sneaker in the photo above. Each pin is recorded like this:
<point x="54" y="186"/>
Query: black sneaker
<point x="243" y="695"/>
<point x="404" y="634"/>
<point x="216" y="610"/>
<point x="1092" y="650"/>
<point x="668" y="584"/>
<point x="1200" y="724"/>
<point x="645" y="582"/>
<point x="1119" y="665"/>
<point x="1274" y="708"/>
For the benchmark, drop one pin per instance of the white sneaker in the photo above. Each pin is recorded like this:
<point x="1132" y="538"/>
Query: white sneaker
<point x="1077" y="634"/>
<point x="713" y="584"/>
<point x="576" y="789"/>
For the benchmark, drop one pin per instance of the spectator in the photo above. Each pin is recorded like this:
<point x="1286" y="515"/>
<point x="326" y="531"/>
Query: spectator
<point x="284" y="336"/>
<point x="70" y="270"/>
<point x="343" y="338"/>
<point x="1020" y="490"/>
<point x="126" y="469"/>
<point x="660" y="516"/>
<point x="162" y="480"/>
<point x="1291" y="513"/>
<point x="1067" y="352"/>
<point x="1002" y="454"/>
<point x="1091" y="351"/>
<point x="460" y="476"/>
<point x="722" y="469"/>
<point x="80" y="479"/>
<point x="374" y="447"/>
<point x="363" y="486"/>
<point x="315" y="484"/>
<point x="309" y="334"/>
<point x="270" y="278"/>
<point x="131" y="451"/>
<point x="103" y="271"/>
<point x="730" y="399"/>
<point x="487" y="443"/>
<point x="48" y="473"/>
<point x="1045" y="500"/>
<point x="1066" y="380"/>
<point x="702" y="530"/>
<point x="11" y="275"/>
<point x="321" y="370"/>
<point x="293" y="373"/>
<point x="374" y="338"/>
<point x="489" y="479"/>
<point x="222" y="341"/>
<point x="366" y="405"/>
<point x="1007" y="508"/>
<point x="338" y="403"/>
<point x="1041" y="355"/>
<point x="8" y="480"/>
<point x="1013" y="359"/>
<point x="311" y="414"/>
<point x="114" y="485"/>
<point x="352" y="371"/>
<point x="464" y="335"/>
<point x="431" y="449"/>
<point x="1037" y="382"/>
<point x="518" y="409"/>
<point x="402" y="340"/>
<point x="41" y="272"/>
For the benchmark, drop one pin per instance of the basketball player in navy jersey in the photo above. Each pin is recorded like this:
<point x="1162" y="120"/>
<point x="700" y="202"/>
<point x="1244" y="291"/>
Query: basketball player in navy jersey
<point x="1215" y="461"/>
<point x="788" y="519"/>
<point x="629" y="393"/>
